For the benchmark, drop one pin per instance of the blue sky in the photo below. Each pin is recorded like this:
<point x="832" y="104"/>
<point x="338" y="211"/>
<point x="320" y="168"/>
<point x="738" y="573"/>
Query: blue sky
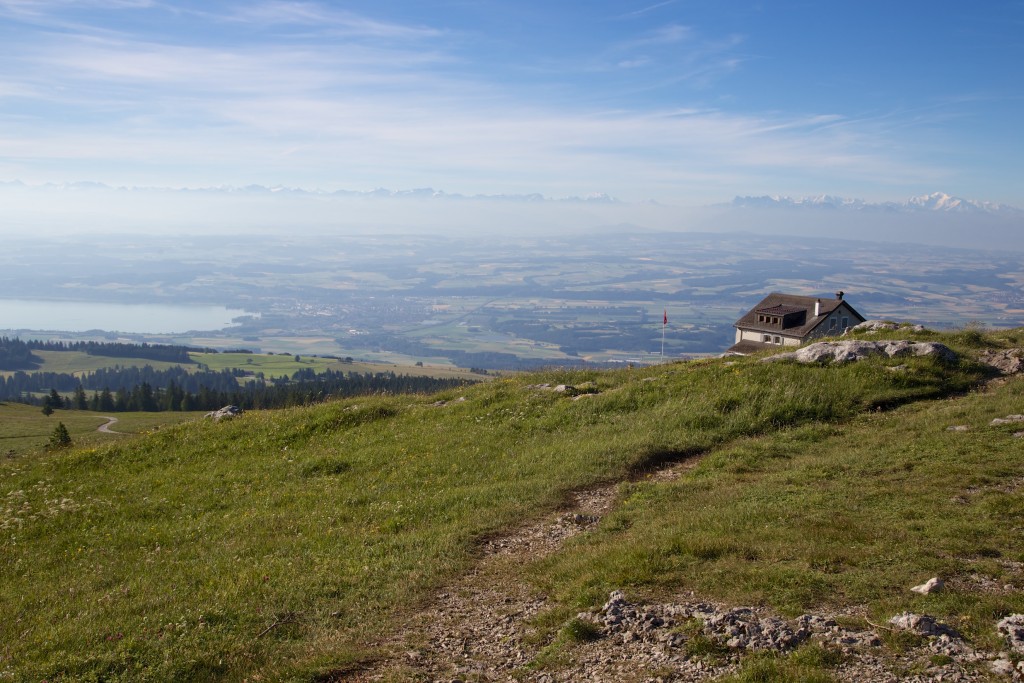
<point x="684" y="102"/>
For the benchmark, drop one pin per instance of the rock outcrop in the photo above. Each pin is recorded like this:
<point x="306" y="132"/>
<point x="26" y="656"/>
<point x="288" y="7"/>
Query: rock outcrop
<point x="1008" y="362"/>
<point x="1012" y="627"/>
<point x="878" y="325"/>
<point x="225" y="413"/>
<point x="854" y="350"/>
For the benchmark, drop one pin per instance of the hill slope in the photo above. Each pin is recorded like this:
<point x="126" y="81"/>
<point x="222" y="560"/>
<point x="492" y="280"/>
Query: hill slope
<point x="288" y="545"/>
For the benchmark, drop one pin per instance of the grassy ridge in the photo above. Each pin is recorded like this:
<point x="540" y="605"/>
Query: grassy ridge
<point x="278" y="543"/>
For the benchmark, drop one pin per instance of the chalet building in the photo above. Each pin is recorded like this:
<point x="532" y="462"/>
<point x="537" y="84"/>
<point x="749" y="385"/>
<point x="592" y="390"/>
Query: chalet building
<point x="790" y="320"/>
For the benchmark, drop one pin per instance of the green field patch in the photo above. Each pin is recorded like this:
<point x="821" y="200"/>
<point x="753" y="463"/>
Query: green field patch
<point x="79" y="362"/>
<point x="277" y="365"/>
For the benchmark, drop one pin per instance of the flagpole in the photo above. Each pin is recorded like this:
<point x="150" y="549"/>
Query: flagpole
<point x="664" y="324"/>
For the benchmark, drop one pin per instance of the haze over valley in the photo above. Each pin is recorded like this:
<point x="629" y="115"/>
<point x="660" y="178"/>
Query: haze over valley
<point x="495" y="301"/>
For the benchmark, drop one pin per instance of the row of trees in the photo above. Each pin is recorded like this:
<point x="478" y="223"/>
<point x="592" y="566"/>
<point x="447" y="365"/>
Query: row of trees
<point x="116" y="378"/>
<point x="257" y="394"/>
<point x="169" y="353"/>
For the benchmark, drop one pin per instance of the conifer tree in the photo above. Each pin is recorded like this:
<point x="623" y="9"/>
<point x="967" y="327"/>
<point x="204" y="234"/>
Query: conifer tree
<point x="60" y="438"/>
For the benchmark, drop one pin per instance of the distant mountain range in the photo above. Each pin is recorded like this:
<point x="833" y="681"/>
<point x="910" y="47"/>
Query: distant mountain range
<point x="936" y="201"/>
<point x="257" y="190"/>
<point x="939" y="202"/>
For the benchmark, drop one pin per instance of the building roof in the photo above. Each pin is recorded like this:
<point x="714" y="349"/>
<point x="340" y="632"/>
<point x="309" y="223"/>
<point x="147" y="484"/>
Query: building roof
<point x="747" y="347"/>
<point x="780" y="309"/>
<point x="784" y="304"/>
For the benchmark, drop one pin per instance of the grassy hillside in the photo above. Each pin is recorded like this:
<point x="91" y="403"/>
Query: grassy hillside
<point x="280" y="545"/>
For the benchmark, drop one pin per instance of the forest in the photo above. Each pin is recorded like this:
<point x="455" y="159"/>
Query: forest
<point x="146" y="388"/>
<point x="302" y="389"/>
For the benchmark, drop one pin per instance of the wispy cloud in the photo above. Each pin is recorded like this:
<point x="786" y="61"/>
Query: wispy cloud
<point x="390" y="104"/>
<point x="646" y="10"/>
<point x="276" y="13"/>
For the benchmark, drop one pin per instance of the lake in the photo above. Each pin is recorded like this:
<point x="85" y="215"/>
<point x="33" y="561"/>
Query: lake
<point x="80" y="316"/>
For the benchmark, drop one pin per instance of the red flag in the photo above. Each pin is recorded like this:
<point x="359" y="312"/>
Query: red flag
<point x="664" y="320"/>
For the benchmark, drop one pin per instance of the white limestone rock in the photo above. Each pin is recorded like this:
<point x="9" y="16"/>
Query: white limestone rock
<point x="854" y="350"/>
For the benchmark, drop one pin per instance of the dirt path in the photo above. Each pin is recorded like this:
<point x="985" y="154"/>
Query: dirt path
<point x="105" y="427"/>
<point x="476" y="629"/>
<point x="479" y="627"/>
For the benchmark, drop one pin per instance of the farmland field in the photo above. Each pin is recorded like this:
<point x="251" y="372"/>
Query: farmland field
<point x="516" y="303"/>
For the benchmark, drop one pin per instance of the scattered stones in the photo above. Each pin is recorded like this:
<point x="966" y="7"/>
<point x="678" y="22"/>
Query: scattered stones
<point x="225" y="413"/>
<point x="932" y="585"/>
<point x="854" y="350"/>
<point x="483" y="628"/>
<point x="1009" y="419"/>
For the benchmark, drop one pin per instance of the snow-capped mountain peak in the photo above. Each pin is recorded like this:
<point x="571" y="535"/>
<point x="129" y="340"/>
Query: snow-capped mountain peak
<point x="936" y="201"/>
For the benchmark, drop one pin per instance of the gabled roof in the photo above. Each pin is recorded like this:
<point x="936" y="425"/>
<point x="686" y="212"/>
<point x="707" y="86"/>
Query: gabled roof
<point x="783" y="304"/>
<point x="780" y="309"/>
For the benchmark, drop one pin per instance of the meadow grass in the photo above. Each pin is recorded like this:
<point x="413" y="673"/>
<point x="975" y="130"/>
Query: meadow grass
<point x="25" y="429"/>
<point x="282" y="544"/>
<point x="820" y="517"/>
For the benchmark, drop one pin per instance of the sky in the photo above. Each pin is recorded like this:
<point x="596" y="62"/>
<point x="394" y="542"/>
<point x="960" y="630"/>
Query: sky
<point x="680" y="102"/>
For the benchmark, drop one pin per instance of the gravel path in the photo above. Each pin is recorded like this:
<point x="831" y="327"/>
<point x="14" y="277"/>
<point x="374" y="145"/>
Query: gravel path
<point x="105" y="427"/>
<point x="478" y="628"/>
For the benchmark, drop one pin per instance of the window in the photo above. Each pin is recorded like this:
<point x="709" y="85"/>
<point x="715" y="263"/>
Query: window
<point x="833" y="323"/>
<point x="766" y="338"/>
<point x="846" y="322"/>
<point x="778" y="340"/>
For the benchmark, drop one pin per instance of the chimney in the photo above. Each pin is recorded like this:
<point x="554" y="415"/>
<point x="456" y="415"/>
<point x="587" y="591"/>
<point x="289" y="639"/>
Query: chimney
<point x="839" y="295"/>
<point x="817" y="307"/>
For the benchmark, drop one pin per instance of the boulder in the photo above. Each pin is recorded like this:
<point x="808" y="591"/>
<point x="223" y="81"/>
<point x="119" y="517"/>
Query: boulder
<point x="932" y="585"/>
<point x="225" y="413"/>
<point x="854" y="350"/>
<point x="922" y="624"/>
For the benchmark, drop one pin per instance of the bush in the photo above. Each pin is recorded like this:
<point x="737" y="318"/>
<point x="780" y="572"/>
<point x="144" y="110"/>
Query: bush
<point x="581" y="631"/>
